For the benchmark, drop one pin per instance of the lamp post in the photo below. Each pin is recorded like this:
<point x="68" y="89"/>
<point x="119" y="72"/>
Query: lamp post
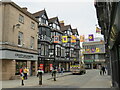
<point x="54" y="66"/>
<point x="17" y="25"/>
<point x="40" y="71"/>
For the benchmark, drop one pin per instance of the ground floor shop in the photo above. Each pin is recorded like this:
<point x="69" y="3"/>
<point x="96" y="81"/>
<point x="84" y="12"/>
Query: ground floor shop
<point x="64" y="65"/>
<point x="12" y="61"/>
<point x="47" y="64"/>
<point x="94" y="64"/>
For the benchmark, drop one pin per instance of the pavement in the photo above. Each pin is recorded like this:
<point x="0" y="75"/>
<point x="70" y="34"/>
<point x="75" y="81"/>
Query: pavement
<point x="97" y="82"/>
<point x="31" y="81"/>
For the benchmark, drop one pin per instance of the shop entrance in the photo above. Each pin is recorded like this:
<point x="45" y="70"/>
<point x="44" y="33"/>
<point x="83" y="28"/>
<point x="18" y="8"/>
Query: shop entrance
<point x="32" y="68"/>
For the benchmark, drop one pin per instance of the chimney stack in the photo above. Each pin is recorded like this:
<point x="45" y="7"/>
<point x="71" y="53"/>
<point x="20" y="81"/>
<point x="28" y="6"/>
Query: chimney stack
<point x="25" y="9"/>
<point x="62" y="23"/>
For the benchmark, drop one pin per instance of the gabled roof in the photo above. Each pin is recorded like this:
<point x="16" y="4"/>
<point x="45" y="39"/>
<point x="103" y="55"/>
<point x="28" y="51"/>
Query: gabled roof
<point x="66" y="27"/>
<point x="40" y="13"/>
<point x="52" y="20"/>
<point x="75" y="31"/>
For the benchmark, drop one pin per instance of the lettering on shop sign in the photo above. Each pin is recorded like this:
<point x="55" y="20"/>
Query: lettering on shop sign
<point x="24" y="56"/>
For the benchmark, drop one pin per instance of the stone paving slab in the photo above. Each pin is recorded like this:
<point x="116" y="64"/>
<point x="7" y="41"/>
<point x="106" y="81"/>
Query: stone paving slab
<point x="31" y="81"/>
<point x="97" y="82"/>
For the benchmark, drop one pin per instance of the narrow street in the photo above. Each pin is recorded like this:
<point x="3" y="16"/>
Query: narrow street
<point x="91" y="79"/>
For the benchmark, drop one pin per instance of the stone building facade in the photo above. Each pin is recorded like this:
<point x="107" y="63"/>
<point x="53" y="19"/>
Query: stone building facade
<point x="18" y="44"/>
<point x="94" y="53"/>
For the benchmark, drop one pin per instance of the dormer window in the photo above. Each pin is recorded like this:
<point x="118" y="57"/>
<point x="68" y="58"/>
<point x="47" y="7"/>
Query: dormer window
<point x="54" y="25"/>
<point x="43" y="20"/>
<point x="68" y="32"/>
<point x="50" y="25"/>
<point x="58" y="27"/>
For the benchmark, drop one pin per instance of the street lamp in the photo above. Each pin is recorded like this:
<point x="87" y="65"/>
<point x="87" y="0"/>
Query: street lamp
<point x="17" y="25"/>
<point x="54" y="67"/>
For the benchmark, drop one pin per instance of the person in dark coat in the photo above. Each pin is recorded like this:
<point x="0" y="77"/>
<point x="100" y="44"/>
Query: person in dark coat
<point x="103" y="70"/>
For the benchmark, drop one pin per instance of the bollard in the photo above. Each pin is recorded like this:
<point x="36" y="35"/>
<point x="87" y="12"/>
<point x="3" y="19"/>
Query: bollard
<point x="40" y="78"/>
<point x="54" y="75"/>
<point x="22" y="78"/>
<point x="22" y="82"/>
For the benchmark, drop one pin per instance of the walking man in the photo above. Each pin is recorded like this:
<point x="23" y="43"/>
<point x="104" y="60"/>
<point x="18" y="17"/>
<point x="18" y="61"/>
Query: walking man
<point x="62" y="71"/>
<point x="103" y="70"/>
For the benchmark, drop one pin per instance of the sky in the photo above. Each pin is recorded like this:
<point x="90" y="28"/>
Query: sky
<point x="80" y="14"/>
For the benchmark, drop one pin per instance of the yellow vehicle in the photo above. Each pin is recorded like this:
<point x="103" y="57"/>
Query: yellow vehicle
<point x="78" y="68"/>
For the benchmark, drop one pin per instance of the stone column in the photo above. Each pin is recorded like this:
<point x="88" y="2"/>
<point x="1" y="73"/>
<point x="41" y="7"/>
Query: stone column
<point x="29" y="67"/>
<point x="0" y="70"/>
<point x="36" y="66"/>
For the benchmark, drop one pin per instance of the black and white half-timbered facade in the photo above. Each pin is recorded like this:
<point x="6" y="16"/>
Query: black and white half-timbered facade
<point x="52" y="52"/>
<point x="76" y="46"/>
<point x="56" y="49"/>
<point x="44" y="40"/>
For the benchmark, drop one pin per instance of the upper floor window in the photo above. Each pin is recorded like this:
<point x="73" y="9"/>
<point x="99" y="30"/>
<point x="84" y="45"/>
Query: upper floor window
<point x="50" y="25"/>
<point x="20" y="38"/>
<point x="58" y="51"/>
<point x="21" y="18"/>
<point x="46" y="50"/>
<point x="68" y="32"/>
<point x="42" y="49"/>
<point x="54" y="25"/>
<point x="32" y="25"/>
<point x="43" y="20"/>
<point x="58" y="27"/>
<point x="32" y="42"/>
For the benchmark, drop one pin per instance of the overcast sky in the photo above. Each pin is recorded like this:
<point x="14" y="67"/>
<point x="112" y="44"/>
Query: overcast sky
<point x="81" y="14"/>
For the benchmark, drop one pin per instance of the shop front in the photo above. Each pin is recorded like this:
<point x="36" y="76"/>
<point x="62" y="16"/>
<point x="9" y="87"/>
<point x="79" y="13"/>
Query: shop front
<point x="12" y="61"/>
<point x="89" y="64"/>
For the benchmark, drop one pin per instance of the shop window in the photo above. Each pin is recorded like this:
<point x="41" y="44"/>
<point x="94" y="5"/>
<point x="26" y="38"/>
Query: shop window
<point x="20" y="64"/>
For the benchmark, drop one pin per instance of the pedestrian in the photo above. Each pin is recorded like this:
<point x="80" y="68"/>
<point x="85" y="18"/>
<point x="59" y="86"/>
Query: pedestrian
<point x="21" y="70"/>
<point x="39" y="70"/>
<point x="103" y="70"/>
<point x="100" y="70"/>
<point x="28" y="72"/>
<point x="61" y="71"/>
<point x="52" y="73"/>
<point x="25" y="73"/>
<point x="22" y="77"/>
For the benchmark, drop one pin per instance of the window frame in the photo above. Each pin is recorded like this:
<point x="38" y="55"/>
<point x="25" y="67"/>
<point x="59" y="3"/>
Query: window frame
<point x="32" y="40"/>
<point x="32" y="25"/>
<point x="20" y="37"/>
<point x="21" y="18"/>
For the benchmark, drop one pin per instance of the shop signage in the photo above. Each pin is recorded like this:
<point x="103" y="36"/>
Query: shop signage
<point x="7" y="54"/>
<point x="41" y="66"/>
<point x="88" y="60"/>
<point x="51" y="66"/>
<point x="24" y="56"/>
